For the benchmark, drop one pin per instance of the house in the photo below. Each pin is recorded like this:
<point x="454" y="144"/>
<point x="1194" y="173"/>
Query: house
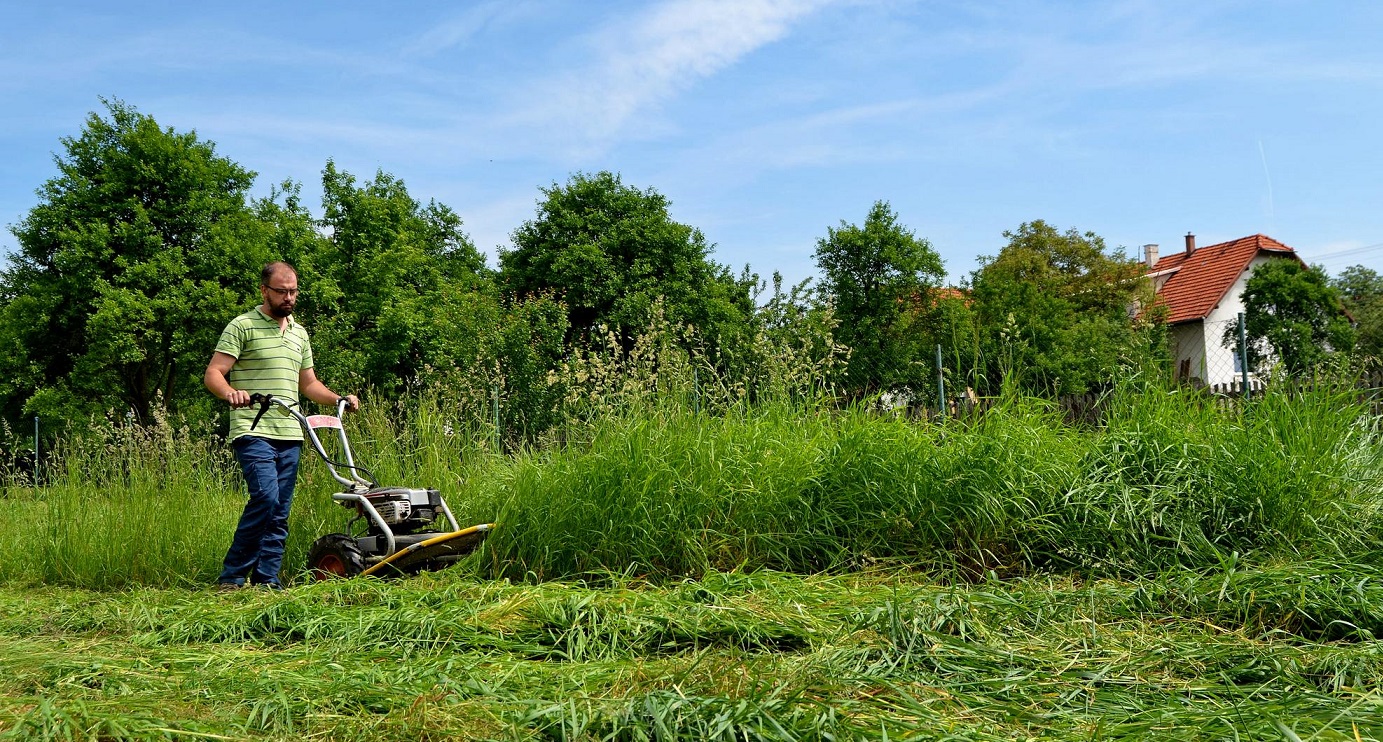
<point x="1202" y="290"/>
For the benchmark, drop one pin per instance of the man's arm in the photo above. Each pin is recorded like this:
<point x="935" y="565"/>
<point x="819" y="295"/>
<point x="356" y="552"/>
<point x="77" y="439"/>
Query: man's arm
<point x="315" y="390"/>
<point x="216" y="383"/>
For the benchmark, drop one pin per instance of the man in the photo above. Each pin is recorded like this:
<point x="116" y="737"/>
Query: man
<point x="265" y="351"/>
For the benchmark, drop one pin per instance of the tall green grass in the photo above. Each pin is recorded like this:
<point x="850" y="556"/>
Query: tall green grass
<point x="656" y="489"/>
<point x="1169" y="479"/>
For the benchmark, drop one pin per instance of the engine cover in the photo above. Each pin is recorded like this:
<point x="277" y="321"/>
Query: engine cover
<point x="393" y="511"/>
<point x="403" y="509"/>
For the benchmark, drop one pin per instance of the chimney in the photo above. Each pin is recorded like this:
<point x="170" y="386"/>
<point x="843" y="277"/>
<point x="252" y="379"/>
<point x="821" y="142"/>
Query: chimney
<point x="1190" y="243"/>
<point x="1150" y="255"/>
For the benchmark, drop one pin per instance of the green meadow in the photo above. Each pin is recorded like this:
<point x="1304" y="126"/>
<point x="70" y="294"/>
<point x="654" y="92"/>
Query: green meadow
<point x="1181" y="568"/>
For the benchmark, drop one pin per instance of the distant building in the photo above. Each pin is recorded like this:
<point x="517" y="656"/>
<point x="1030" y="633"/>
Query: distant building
<point x="1202" y="289"/>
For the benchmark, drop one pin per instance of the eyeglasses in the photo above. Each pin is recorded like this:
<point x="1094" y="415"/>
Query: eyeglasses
<point x="284" y="293"/>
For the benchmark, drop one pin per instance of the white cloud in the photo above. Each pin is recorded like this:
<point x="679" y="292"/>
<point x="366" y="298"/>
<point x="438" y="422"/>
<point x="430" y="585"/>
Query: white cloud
<point x="645" y="61"/>
<point x="460" y="29"/>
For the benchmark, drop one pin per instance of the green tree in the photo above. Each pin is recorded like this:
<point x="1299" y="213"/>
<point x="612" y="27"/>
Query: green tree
<point x="610" y="252"/>
<point x="876" y="275"/>
<point x="1292" y="314"/>
<point x="140" y="248"/>
<point x="527" y="349"/>
<point x="400" y="300"/>
<point x="1054" y="311"/>
<point x="396" y="289"/>
<point x="951" y="322"/>
<point x="1361" y="291"/>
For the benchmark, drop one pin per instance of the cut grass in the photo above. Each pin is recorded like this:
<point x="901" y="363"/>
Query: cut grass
<point x="731" y="656"/>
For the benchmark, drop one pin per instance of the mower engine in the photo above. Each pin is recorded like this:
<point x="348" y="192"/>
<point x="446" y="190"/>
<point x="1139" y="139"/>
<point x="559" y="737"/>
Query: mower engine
<point x="405" y="510"/>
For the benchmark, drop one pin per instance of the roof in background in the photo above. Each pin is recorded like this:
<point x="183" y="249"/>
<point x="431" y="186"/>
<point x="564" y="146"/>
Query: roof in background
<point x="1200" y="280"/>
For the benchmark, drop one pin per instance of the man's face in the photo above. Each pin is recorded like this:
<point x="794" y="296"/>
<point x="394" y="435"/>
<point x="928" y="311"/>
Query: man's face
<point x="280" y="293"/>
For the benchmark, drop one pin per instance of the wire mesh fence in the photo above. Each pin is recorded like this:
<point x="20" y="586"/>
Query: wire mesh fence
<point x="1214" y="355"/>
<point x="1215" y="358"/>
<point x="518" y="402"/>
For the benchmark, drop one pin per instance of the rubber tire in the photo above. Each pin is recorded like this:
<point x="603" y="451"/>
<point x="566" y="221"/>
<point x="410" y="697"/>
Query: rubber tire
<point x="335" y="555"/>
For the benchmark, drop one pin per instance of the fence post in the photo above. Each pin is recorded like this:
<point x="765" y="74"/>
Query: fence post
<point x="1244" y="354"/>
<point x="696" y="391"/>
<point x="36" y="455"/>
<point x="940" y="383"/>
<point x="494" y="400"/>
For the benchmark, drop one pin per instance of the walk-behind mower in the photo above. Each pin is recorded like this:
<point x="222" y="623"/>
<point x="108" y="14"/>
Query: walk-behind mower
<point x="399" y="534"/>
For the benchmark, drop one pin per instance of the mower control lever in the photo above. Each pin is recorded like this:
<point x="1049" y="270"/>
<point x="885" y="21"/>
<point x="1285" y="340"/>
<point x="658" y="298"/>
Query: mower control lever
<point x="264" y="401"/>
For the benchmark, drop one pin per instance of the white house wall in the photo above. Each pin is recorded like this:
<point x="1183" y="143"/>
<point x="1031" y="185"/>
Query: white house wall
<point x="1188" y="342"/>
<point x="1216" y="364"/>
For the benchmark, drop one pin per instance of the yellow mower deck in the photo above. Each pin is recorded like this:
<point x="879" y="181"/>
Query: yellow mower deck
<point x="437" y="551"/>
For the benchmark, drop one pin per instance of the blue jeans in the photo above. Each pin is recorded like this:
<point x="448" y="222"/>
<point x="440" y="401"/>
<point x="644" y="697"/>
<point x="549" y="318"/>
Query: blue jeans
<point x="271" y="469"/>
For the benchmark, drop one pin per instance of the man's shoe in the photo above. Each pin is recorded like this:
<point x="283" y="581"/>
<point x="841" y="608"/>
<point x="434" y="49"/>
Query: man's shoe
<point x="226" y="587"/>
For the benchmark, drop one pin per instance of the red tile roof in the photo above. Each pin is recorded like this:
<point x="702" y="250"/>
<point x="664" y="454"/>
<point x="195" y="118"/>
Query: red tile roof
<point x="949" y="292"/>
<point x="938" y="294"/>
<point x="1202" y="279"/>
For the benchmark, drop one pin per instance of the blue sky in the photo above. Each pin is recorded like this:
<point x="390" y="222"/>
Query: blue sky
<point x="763" y="121"/>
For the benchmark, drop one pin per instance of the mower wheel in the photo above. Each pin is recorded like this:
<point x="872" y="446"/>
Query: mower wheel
<point x="335" y="555"/>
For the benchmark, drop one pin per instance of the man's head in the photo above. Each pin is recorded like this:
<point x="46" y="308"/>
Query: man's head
<point x="278" y="284"/>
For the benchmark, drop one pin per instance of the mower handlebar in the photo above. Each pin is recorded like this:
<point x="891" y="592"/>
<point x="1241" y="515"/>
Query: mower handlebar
<point x="265" y="400"/>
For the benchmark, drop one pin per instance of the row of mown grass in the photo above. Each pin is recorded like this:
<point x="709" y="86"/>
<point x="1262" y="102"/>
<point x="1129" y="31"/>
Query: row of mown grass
<point x="1222" y="654"/>
<point x="1168" y="479"/>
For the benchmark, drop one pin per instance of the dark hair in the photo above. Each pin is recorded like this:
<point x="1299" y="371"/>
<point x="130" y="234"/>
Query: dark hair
<point x="275" y="267"/>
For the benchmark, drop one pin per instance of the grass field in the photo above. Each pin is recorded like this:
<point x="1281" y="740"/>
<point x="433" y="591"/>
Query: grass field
<point x="1258" y="654"/>
<point x="1264" y="654"/>
<point x="1183" y="570"/>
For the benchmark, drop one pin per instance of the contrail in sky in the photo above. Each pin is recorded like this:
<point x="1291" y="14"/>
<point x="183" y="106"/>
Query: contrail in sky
<point x="1272" y="216"/>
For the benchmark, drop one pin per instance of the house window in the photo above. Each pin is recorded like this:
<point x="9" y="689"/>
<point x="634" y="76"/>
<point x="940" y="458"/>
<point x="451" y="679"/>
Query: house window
<point x="1238" y="361"/>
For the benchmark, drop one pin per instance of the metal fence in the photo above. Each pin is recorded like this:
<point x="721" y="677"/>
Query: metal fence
<point x="1211" y="358"/>
<point x="1208" y="358"/>
<point x="1215" y="355"/>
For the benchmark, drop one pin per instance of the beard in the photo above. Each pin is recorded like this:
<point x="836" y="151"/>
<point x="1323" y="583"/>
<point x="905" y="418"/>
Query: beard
<point x="280" y="311"/>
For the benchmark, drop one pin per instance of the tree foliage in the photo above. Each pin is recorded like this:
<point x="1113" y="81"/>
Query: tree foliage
<point x="1292" y="314"/>
<point x="145" y="244"/>
<point x="137" y="253"/>
<point x="395" y="288"/>
<point x="611" y="251"/>
<point x="1361" y="291"/>
<point x="1055" y="310"/>
<point x="877" y="275"/>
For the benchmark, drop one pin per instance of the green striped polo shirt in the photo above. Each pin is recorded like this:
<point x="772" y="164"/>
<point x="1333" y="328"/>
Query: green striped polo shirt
<point x="267" y="361"/>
